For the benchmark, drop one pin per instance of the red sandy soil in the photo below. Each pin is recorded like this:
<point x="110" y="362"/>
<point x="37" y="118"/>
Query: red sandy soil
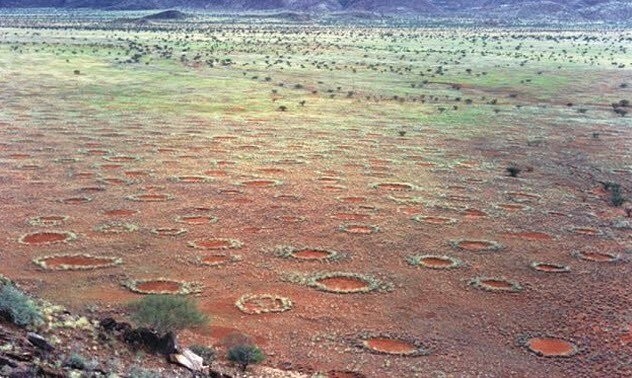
<point x="550" y="347"/>
<point x="469" y="332"/>
<point x="343" y="283"/>
<point x="382" y="344"/>
<point x="75" y="261"/>
<point x="437" y="262"/>
<point x="159" y="286"/>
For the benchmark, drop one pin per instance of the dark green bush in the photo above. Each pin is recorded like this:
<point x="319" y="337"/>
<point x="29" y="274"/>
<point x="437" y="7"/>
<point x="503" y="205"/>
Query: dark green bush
<point x="18" y="307"/>
<point x="245" y="354"/>
<point x="616" y="195"/>
<point x="76" y="361"/>
<point x="167" y="313"/>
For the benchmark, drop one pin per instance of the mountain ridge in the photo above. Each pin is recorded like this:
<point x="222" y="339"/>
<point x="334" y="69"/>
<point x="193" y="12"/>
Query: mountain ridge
<point x="586" y="10"/>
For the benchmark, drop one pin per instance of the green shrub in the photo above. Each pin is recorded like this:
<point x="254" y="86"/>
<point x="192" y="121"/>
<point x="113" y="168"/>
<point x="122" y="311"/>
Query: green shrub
<point x="616" y="195"/>
<point x="76" y="361"/>
<point x="167" y="313"/>
<point x="245" y="355"/>
<point x="18" y="307"/>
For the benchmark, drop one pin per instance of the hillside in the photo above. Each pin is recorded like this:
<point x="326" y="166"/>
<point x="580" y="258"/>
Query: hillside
<point x="586" y="10"/>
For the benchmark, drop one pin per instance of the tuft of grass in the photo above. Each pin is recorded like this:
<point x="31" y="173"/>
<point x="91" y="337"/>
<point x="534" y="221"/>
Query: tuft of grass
<point x="19" y="307"/>
<point x="167" y="313"/>
<point x="513" y="171"/>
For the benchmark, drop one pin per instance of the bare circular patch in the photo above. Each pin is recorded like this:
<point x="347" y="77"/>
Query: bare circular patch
<point x="168" y="231"/>
<point x="117" y="181"/>
<point x="393" y="186"/>
<point x="120" y="158"/>
<point x="430" y="219"/>
<point x="218" y="259"/>
<point x="551" y="347"/>
<point x="150" y="197"/>
<point x="75" y="200"/>
<point x="384" y="343"/>
<point x="260" y="183"/>
<point x="47" y="237"/>
<point x="522" y="197"/>
<point x="345" y="283"/>
<point x="550" y="267"/>
<point x="474" y="213"/>
<point x="194" y="219"/>
<point x="434" y="261"/>
<point x="76" y="262"/>
<point x="587" y="231"/>
<point x="162" y="286"/>
<point x="596" y="256"/>
<point x="308" y="254"/>
<point x="512" y="207"/>
<point x="495" y="284"/>
<point x="120" y="213"/>
<point x="263" y="303"/>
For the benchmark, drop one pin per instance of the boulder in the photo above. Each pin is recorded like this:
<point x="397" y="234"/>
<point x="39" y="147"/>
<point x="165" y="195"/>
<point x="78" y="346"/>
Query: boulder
<point x="188" y="359"/>
<point x="39" y="342"/>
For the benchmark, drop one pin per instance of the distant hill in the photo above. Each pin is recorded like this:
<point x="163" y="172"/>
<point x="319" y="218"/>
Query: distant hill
<point x="587" y="10"/>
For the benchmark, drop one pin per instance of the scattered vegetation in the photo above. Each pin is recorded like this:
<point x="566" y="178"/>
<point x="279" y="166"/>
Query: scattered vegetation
<point x="18" y="307"/>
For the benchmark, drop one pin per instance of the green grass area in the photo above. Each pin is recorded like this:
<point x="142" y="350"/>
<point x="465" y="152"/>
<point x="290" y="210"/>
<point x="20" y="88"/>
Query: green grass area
<point x="324" y="74"/>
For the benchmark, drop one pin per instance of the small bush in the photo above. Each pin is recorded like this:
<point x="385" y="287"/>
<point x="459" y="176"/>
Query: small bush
<point x="616" y="195"/>
<point x="513" y="171"/>
<point x="167" y="313"/>
<point x="76" y="361"/>
<point x="245" y="355"/>
<point x="18" y="307"/>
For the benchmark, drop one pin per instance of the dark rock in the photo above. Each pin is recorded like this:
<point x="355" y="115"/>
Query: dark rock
<point x="217" y="374"/>
<point x="108" y="324"/>
<point x="122" y="327"/>
<point x="39" y="342"/>
<point x="168" y="344"/>
<point x="142" y="338"/>
<point x="6" y="361"/>
<point x="20" y="356"/>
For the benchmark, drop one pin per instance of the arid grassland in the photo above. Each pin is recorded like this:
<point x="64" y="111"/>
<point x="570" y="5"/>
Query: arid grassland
<point x="373" y="199"/>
